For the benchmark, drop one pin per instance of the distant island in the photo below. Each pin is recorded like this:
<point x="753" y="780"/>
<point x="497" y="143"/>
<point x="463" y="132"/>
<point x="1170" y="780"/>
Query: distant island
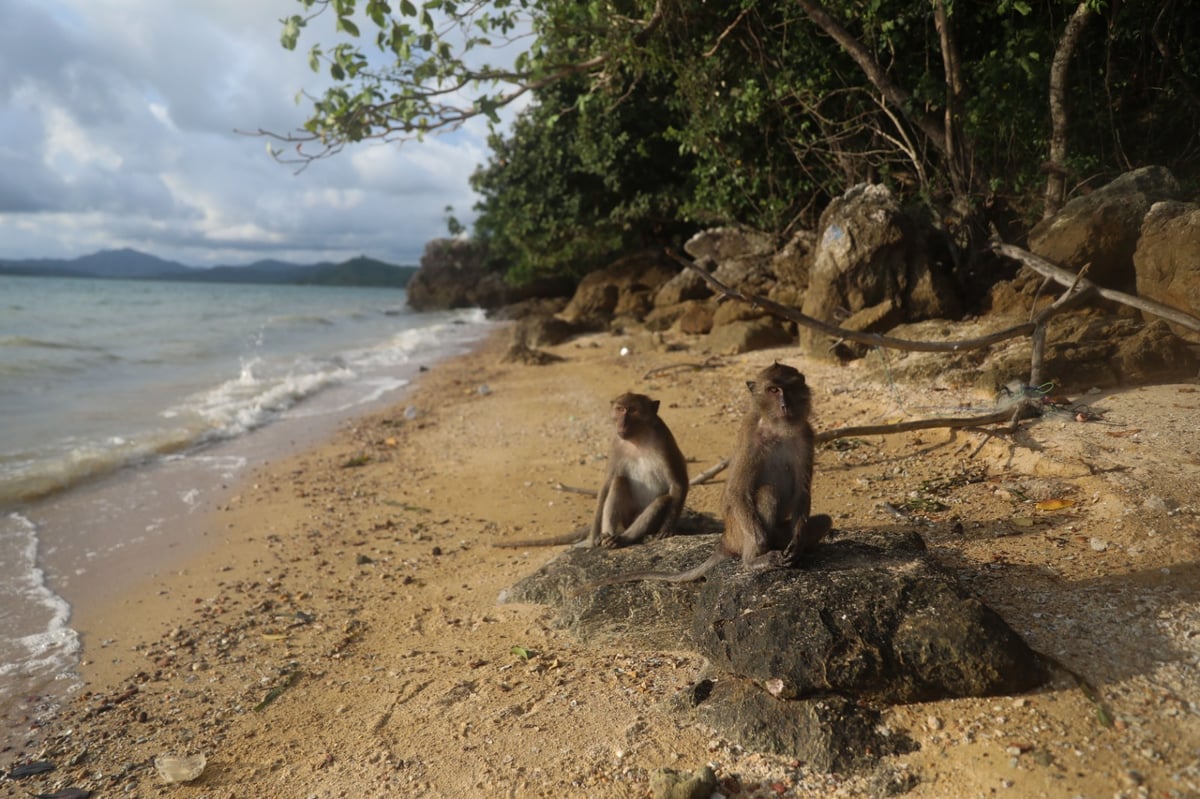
<point x="128" y="264"/>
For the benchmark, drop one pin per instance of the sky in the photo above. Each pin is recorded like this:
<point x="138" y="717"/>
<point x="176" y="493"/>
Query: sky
<point x="119" y="126"/>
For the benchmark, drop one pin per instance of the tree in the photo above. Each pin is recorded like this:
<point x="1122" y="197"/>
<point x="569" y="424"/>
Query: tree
<point x="772" y="106"/>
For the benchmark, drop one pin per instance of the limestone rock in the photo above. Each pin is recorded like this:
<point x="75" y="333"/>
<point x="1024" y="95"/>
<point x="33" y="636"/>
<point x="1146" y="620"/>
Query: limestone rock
<point x="869" y="252"/>
<point x="749" y="335"/>
<point x="626" y="286"/>
<point x="1167" y="259"/>
<point x="1102" y="228"/>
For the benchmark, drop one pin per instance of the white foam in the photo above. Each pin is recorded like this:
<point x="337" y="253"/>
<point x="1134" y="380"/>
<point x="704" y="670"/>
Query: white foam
<point x="30" y="604"/>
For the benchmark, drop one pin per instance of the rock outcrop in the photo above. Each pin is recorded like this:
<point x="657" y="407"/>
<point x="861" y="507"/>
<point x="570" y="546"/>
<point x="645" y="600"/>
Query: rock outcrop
<point x="1102" y="228"/>
<point x="870" y="255"/>
<point x="1167" y="259"/>
<point x="799" y="656"/>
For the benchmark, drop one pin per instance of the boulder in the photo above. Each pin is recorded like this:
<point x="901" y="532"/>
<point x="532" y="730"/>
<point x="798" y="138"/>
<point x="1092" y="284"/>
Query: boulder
<point x="869" y="252"/>
<point x="742" y="257"/>
<point x="830" y="734"/>
<point x="685" y="286"/>
<point x="1102" y="228"/>
<point x="802" y="658"/>
<point x="542" y="330"/>
<point x="869" y="617"/>
<point x="748" y="335"/>
<point x="1167" y="259"/>
<point x="697" y="319"/>
<point x="626" y="286"/>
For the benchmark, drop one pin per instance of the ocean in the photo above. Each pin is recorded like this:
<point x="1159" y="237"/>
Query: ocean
<point x="126" y="406"/>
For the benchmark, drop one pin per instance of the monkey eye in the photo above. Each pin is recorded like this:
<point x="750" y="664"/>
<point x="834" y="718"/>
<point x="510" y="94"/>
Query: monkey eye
<point x="774" y="389"/>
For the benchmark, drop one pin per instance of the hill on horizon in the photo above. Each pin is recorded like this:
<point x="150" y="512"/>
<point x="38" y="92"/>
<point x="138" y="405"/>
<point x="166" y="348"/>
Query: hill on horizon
<point x="130" y="264"/>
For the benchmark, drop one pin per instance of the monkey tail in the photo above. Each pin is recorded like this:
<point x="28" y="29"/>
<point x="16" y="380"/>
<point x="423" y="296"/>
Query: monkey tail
<point x="553" y="541"/>
<point x="692" y="574"/>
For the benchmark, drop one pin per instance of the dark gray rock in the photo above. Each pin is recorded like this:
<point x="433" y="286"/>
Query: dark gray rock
<point x="802" y="657"/>
<point x="868" y="617"/>
<point x="650" y="614"/>
<point x="829" y="734"/>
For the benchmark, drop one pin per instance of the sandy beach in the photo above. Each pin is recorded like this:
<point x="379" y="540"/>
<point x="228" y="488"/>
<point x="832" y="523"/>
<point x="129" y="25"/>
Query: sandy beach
<point x="340" y="636"/>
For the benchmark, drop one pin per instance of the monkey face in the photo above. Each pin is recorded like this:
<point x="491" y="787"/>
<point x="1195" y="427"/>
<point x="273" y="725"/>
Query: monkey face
<point x="632" y="412"/>
<point x="784" y="391"/>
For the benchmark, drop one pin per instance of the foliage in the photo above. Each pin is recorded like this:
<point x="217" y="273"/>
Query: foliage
<point x="650" y="115"/>
<point x="580" y="179"/>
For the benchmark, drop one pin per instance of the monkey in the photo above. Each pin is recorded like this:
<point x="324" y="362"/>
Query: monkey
<point x="646" y="484"/>
<point x="768" y="495"/>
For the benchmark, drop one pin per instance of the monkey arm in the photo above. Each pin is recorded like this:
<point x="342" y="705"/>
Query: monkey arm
<point x="598" y="517"/>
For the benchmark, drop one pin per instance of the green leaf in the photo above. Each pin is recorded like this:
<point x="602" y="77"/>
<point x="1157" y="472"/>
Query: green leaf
<point x="291" y="32"/>
<point x="407" y="8"/>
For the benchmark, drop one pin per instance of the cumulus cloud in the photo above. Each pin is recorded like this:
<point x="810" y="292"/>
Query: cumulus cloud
<point x="119" y="127"/>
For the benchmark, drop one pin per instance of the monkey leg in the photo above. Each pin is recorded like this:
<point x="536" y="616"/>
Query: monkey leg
<point x="616" y="512"/>
<point x="808" y="534"/>
<point x="648" y="523"/>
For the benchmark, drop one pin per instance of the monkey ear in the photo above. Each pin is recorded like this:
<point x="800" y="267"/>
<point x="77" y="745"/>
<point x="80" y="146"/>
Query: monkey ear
<point x="654" y="406"/>
<point x="750" y="384"/>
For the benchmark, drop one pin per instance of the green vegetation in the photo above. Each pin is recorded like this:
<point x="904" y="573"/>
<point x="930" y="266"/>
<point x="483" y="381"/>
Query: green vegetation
<point x="650" y="118"/>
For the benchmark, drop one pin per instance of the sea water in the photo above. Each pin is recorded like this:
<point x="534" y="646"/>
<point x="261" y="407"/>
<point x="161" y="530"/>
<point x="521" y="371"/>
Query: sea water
<point x="125" y="404"/>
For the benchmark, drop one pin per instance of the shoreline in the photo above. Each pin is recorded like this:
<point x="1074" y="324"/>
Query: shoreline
<point x="341" y="634"/>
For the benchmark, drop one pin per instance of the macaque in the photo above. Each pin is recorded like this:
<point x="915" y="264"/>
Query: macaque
<point x="768" y="495"/>
<point x="646" y="484"/>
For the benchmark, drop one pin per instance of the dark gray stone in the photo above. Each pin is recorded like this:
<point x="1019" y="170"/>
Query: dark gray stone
<point x="871" y="618"/>
<point x="829" y="733"/>
<point x="875" y="619"/>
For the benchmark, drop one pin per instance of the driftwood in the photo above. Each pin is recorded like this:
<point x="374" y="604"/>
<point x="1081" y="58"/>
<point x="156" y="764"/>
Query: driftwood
<point x="1079" y="289"/>
<point x="1066" y="278"/>
<point x="712" y="362"/>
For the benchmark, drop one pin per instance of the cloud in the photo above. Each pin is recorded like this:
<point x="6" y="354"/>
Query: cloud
<point x="119" y="126"/>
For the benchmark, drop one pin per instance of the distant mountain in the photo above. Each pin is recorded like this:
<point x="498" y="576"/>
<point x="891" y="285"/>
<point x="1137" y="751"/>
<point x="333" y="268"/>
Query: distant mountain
<point x="126" y="263"/>
<point x="132" y="264"/>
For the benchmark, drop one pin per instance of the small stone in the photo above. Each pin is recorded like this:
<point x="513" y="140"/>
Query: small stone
<point x="1098" y="544"/>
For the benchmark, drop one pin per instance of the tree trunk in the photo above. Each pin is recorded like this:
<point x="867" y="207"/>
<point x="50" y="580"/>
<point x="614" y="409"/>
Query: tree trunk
<point x="958" y="155"/>
<point x="1056" y="165"/>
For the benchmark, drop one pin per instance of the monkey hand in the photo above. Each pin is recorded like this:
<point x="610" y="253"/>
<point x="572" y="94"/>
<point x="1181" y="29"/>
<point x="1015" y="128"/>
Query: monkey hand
<point x="610" y="541"/>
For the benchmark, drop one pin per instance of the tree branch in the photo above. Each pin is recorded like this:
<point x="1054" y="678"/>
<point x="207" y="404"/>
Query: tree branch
<point x="896" y="95"/>
<point x="1066" y="278"/>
